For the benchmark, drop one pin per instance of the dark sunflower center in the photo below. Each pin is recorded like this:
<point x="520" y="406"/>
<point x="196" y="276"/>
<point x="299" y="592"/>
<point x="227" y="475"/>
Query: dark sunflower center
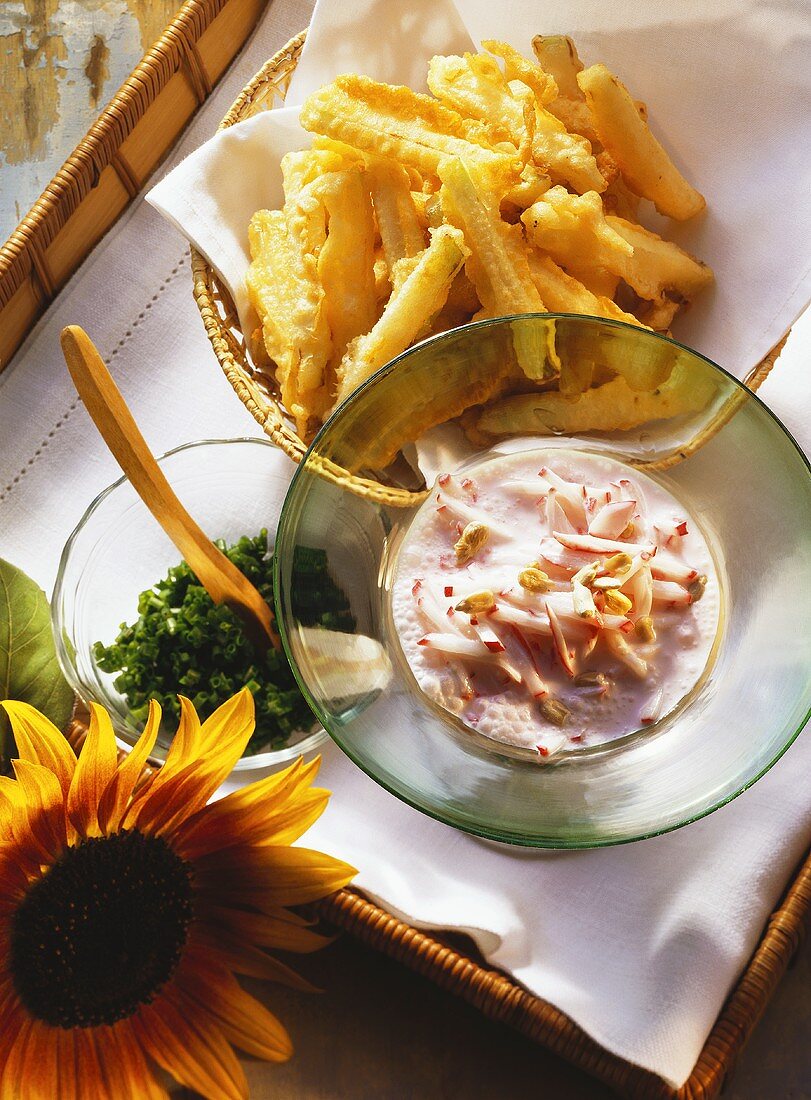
<point x="101" y="932"/>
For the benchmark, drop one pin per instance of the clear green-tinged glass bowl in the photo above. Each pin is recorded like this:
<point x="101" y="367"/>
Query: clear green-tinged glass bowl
<point x="731" y="463"/>
<point x="232" y="487"/>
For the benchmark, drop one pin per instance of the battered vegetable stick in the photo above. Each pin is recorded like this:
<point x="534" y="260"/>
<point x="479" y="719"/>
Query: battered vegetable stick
<point x="433" y="211"/>
<point x="307" y="229"/>
<point x="301" y="168"/>
<point x="382" y="278"/>
<point x="565" y="294"/>
<point x="498" y="267"/>
<point x="394" y="121"/>
<point x="400" y="231"/>
<point x="417" y="298"/>
<point x="568" y="156"/>
<point x="541" y="83"/>
<point x="617" y="198"/>
<point x="346" y="262"/>
<point x="557" y="55"/>
<point x="421" y="200"/>
<point x="294" y="324"/>
<point x="645" y="166"/>
<point x="347" y="153"/>
<point x="475" y="86"/>
<point x="491" y="372"/>
<point x="598" y="280"/>
<point x="394" y="142"/>
<point x="462" y="302"/>
<point x="659" y="313"/>
<point x="501" y="276"/>
<point x="613" y="406"/>
<point x="574" y="231"/>
<point x="531" y="186"/>
<point x="306" y="217"/>
<point x="657" y="265"/>
<point x="462" y="295"/>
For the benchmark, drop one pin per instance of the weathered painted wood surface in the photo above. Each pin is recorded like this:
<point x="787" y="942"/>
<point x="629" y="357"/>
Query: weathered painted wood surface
<point x="60" y="62"/>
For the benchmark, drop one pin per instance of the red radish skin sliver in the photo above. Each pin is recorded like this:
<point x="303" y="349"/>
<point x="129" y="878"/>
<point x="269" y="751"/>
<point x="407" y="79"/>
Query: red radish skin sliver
<point x="590" y="544"/>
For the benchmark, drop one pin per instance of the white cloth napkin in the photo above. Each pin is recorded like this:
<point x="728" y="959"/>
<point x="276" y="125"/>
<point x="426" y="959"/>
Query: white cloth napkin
<point x="639" y="945"/>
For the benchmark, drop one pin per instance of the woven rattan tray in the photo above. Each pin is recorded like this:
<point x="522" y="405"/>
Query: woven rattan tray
<point x="80" y="204"/>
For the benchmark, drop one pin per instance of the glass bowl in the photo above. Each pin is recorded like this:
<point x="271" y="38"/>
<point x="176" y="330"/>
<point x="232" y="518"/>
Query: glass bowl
<point x="724" y="456"/>
<point x="232" y="487"/>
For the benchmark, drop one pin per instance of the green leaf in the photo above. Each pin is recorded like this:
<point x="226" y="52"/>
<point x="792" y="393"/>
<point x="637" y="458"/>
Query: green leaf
<point x="29" y="670"/>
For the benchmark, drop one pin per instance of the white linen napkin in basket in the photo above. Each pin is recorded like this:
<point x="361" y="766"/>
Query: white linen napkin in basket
<point x="638" y="944"/>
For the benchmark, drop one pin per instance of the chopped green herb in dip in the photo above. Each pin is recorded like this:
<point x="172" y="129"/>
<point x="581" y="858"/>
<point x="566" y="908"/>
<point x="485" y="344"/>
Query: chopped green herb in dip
<point x="183" y="643"/>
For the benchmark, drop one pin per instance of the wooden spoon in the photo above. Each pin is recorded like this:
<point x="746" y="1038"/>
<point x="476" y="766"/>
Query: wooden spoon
<point x="108" y="410"/>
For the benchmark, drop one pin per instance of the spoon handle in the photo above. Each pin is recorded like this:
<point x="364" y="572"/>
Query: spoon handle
<point x="109" y="412"/>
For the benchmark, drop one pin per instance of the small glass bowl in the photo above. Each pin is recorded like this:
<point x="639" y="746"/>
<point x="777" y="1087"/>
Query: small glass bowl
<point x="722" y="454"/>
<point x="232" y="487"/>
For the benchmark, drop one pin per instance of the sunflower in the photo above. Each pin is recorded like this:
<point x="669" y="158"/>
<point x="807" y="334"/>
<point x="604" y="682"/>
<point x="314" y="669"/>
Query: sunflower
<point x="127" y="906"/>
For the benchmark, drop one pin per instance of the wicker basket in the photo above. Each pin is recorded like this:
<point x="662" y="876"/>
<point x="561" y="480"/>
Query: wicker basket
<point x="266" y="90"/>
<point x="257" y="391"/>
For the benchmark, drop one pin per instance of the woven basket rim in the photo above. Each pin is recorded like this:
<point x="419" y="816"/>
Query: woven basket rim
<point x="290" y="49"/>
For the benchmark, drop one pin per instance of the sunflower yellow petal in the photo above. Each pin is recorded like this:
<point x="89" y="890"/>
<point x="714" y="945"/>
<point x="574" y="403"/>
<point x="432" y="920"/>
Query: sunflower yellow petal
<point x="244" y="1021"/>
<point x="170" y="800"/>
<point x="66" y="1065"/>
<point x="122" y="1052"/>
<point x="281" y="876"/>
<point x="94" y="771"/>
<point x="11" y="800"/>
<point x="40" y="742"/>
<point x="187" y="742"/>
<point x="276" y="809"/>
<point x="41" y="1069"/>
<point x="13" y="1070"/>
<point x="11" y="1021"/>
<point x="89" y="1078"/>
<point x="231" y="723"/>
<point x="269" y="791"/>
<point x="119" y="790"/>
<point x="253" y="962"/>
<point x="10" y="1015"/>
<point x="265" y="931"/>
<point x="14" y="878"/>
<point x="257" y="825"/>
<point x="192" y="1050"/>
<point x="43" y="818"/>
<point x="165" y="807"/>
<point x="293" y="822"/>
<point x="273" y="790"/>
<point x="10" y="791"/>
